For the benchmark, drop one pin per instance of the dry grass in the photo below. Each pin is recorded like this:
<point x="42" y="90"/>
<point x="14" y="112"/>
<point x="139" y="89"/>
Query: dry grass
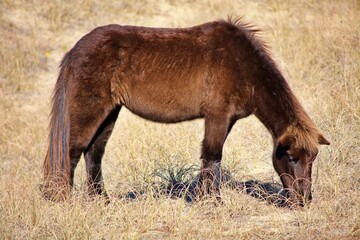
<point x="316" y="44"/>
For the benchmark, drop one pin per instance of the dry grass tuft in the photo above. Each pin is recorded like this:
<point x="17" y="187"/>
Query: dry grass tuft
<point x="316" y="44"/>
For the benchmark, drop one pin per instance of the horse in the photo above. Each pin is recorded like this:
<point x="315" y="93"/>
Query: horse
<point x="220" y="71"/>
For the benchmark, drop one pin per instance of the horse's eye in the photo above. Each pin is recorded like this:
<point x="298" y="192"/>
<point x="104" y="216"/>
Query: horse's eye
<point x="292" y="158"/>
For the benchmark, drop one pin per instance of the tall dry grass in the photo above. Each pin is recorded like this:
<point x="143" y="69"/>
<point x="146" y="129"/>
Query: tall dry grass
<point x="316" y="44"/>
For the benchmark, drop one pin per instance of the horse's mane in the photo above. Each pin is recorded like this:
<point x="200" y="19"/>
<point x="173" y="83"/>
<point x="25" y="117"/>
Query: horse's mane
<point x="303" y="128"/>
<point x="252" y="34"/>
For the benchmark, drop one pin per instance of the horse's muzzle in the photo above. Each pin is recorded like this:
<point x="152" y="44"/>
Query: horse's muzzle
<point x="298" y="198"/>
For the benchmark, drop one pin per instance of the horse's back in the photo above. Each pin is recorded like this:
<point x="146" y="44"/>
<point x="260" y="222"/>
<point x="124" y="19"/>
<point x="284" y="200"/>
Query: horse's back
<point x="161" y="74"/>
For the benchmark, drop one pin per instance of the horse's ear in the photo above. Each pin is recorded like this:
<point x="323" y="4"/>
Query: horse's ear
<point x="322" y="140"/>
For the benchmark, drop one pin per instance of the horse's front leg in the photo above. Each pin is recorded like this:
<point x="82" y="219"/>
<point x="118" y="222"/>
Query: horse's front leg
<point x="216" y="131"/>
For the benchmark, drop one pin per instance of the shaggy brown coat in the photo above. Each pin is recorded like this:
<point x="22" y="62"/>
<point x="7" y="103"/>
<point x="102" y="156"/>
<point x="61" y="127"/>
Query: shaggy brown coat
<point x="218" y="71"/>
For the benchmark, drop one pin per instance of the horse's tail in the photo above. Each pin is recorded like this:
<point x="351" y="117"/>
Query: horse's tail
<point x="57" y="161"/>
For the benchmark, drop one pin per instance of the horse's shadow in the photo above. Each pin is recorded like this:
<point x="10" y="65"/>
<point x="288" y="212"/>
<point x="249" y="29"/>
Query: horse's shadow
<point x="270" y="192"/>
<point x="174" y="187"/>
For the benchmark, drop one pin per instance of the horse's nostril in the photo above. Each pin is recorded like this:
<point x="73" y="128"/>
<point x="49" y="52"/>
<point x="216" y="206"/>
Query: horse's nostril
<point x="310" y="197"/>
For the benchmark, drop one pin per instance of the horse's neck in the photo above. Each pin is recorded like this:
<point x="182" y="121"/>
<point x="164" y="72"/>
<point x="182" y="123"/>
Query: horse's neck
<point x="277" y="107"/>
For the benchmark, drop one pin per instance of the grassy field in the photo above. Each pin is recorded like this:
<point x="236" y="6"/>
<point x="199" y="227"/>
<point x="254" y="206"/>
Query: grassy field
<point x="315" y="43"/>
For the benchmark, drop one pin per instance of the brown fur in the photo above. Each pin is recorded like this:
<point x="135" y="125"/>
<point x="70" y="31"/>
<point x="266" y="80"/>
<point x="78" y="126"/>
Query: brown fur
<point x="218" y="71"/>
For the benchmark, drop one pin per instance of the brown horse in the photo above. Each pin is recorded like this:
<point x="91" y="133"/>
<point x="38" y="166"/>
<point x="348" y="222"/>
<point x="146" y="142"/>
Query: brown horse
<point x="218" y="71"/>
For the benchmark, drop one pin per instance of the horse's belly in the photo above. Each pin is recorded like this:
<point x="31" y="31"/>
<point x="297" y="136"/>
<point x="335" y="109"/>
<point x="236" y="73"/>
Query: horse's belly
<point x="161" y="97"/>
<point x="165" y="107"/>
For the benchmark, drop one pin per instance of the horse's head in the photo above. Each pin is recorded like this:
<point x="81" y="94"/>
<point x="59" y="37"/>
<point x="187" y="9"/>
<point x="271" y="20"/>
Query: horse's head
<point x="293" y="162"/>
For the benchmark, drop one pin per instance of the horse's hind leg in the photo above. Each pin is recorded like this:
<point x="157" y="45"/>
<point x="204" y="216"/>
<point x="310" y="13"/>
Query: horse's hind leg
<point x="95" y="151"/>
<point x="88" y="116"/>
<point x="216" y="131"/>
